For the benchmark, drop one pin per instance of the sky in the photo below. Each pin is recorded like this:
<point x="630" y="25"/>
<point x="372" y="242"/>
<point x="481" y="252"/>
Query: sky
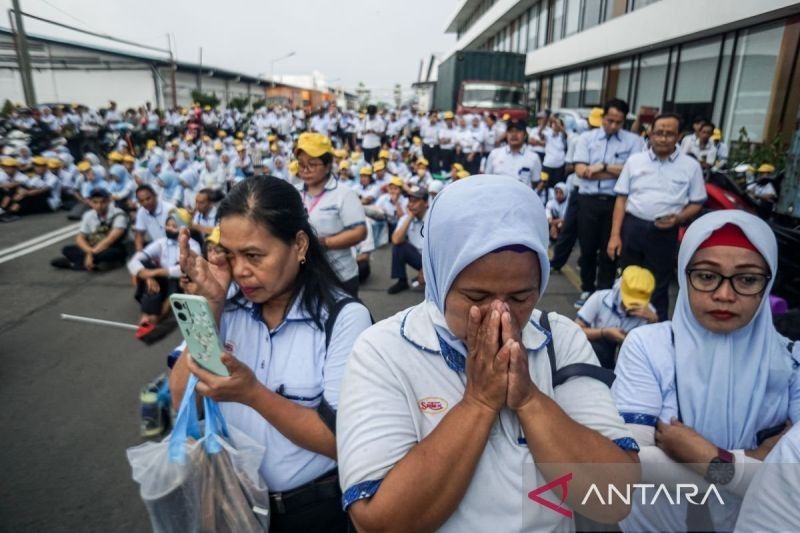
<point x="379" y="42"/>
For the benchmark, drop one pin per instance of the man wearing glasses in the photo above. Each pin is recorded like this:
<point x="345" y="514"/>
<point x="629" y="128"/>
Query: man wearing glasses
<point x="658" y="191"/>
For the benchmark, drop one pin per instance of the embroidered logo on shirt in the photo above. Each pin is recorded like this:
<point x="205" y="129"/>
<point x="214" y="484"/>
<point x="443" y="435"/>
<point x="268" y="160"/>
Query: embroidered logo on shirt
<point x="432" y="405"/>
<point x="230" y="347"/>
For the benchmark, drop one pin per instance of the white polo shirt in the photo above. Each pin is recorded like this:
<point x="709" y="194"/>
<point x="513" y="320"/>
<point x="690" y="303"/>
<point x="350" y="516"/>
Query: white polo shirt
<point x="600" y="311"/>
<point x="657" y="187"/>
<point x="430" y="134"/>
<point x="414" y="234"/>
<point x="524" y="165"/>
<point x="374" y="124"/>
<point x="555" y="149"/>
<point x="447" y="137"/>
<point x="152" y="224"/>
<point x="336" y="210"/>
<point x="115" y="218"/>
<point x="291" y="360"/>
<point x="206" y="220"/>
<point x="398" y="386"/>
<point x="163" y="252"/>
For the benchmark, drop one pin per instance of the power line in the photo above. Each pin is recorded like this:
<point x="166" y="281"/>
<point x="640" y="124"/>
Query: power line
<point x="73" y="17"/>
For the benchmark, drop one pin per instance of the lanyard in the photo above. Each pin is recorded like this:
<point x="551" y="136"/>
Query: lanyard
<point x="314" y="201"/>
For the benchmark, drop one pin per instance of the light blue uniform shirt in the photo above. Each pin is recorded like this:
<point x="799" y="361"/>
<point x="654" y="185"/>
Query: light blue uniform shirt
<point x="657" y="187"/>
<point x="601" y="311"/>
<point x="291" y="360"/>
<point x="596" y="147"/>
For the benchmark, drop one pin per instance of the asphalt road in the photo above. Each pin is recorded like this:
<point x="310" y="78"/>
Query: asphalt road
<point x="69" y="391"/>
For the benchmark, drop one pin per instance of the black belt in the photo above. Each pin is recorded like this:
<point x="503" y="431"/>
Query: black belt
<point x="602" y="197"/>
<point x="326" y="487"/>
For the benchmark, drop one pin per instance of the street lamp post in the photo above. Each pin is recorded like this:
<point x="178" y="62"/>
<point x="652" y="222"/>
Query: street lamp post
<point x="272" y="66"/>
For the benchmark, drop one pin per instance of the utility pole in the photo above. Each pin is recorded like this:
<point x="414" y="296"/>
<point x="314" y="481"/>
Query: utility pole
<point x="173" y="68"/>
<point x="23" y="57"/>
<point x="200" y="72"/>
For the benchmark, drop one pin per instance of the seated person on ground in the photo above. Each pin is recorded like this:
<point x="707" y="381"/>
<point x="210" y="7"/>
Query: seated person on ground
<point x="407" y="240"/>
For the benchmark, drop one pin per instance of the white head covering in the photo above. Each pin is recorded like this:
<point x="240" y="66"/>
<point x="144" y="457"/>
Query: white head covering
<point x="725" y="381"/>
<point x="474" y="217"/>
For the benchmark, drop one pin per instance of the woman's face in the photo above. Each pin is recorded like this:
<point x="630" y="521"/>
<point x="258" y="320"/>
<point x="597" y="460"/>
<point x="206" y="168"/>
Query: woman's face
<point x="508" y="276"/>
<point x="724" y="310"/>
<point x="312" y="170"/>
<point x="262" y="265"/>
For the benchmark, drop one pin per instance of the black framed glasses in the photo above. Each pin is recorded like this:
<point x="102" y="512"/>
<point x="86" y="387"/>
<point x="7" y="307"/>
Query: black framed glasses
<point x="745" y="284"/>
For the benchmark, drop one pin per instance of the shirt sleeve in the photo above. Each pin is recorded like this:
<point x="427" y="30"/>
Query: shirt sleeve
<point x="151" y="252"/>
<point x="591" y="309"/>
<point x="697" y="186"/>
<point x="586" y="400"/>
<point x="581" y="154"/>
<point x="352" y="320"/>
<point x="637" y="389"/>
<point x="623" y="185"/>
<point x="85" y="228"/>
<point x="374" y="424"/>
<point x="352" y="212"/>
<point x="120" y="221"/>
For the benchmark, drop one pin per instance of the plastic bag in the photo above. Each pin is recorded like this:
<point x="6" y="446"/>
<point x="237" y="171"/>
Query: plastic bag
<point x="202" y="477"/>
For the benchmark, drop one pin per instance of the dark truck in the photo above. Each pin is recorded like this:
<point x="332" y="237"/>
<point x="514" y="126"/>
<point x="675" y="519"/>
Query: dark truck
<point x="477" y="82"/>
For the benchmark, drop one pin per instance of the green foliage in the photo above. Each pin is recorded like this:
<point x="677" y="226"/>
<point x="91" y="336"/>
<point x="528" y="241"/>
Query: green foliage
<point x="743" y="150"/>
<point x="260" y="102"/>
<point x="239" y="103"/>
<point x="205" y="99"/>
<point x="8" y="108"/>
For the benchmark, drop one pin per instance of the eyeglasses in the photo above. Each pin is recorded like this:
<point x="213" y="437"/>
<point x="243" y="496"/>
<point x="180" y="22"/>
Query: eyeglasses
<point x="745" y="284"/>
<point x="305" y="167"/>
<point x="664" y="134"/>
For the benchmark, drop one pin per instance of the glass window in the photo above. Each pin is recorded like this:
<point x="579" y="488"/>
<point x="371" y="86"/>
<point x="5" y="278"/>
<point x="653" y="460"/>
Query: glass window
<point x="619" y="80"/>
<point x="573" y="16"/>
<point x="544" y="94"/>
<point x="544" y="9"/>
<point x="557" y="21"/>
<point x="609" y="10"/>
<point x="638" y="4"/>
<point x="572" y="97"/>
<point x="523" y="33"/>
<point x="724" y="69"/>
<point x="533" y="24"/>
<point x="652" y="75"/>
<point x="514" y="32"/>
<point x="751" y="83"/>
<point x="593" y="87"/>
<point x="591" y="13"/>
<point x="533" y="95"/>
<point x="557" y="92"/>
<point x="696" y="72"/>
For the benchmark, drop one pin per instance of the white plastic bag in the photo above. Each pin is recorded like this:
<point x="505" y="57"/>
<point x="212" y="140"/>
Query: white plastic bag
<point x="210" y="481"/>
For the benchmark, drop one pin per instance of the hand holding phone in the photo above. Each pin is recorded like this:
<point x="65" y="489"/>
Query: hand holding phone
<point x="196" y="322"/>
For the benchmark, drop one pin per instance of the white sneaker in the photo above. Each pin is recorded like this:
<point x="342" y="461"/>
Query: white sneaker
<point x="582" y="299"/>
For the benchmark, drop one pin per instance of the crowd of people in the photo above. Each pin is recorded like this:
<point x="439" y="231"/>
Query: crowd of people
<point x="273" y="217"/>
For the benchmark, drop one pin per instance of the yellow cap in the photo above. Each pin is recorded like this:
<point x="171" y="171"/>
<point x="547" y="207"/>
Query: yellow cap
<point x="39" y="161"/>
<point x="218" y="146"/>
<point x="765" y="168"/>
<point x="422" y="161"/>
<point x="272" y="138"/>
<point x="544" y="176"/>
<point x="355" y="156"/>
<point x="314" y="144"/>
<point x="294" y="166"/>
<point x="636" y="287"/>
<point x="9" y="162"/>
<point x="240" y="147"/>
<point x="396" y="181"/>
<point x="383" y="154"/>
<point x="717" y="135"/>
<point x="181" y="216"/>
<point x="207" y="108"/>
<point x="274" y="147"/>
<point x="506" y="116"/>
<point x="365" y="171"/>
<point x="115" y="157"/>
<point x="222" y="134"/>
<point x="344" y="165"/>
<point x="379" y="165"/>
<point x="175" y="142"/>
<point x="213" y="237"/>
<point x="416" y="140"/>
<point x="151" y="143"/>
<point x="340" y="154"/>
<point x="188" y="137"/>
<point x="83" y="166"/>
<point x="595" y="118"/>
<point x="448" y="115"/>
<point x="127" y="158"/>
<point x="53" y="163"/>
<point x="240" y="135"/>
<point x="458" y="166"/>
<point x="461" y="174"/>
<point x="206" y="138"/>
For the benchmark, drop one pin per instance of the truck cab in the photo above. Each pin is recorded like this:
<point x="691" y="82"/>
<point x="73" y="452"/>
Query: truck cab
<point x="496" y="97"/>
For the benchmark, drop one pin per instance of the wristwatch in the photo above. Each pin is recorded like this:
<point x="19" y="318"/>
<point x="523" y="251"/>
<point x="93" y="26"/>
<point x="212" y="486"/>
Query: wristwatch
<point x="721" y="469"/>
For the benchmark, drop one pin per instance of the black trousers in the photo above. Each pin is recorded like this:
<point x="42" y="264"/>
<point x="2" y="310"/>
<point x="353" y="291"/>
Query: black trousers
<point x="606" y="352"/>
<point x="569" y="233"/>
<point x="556" y="175"/>
<point x="431" y="153"/>
<point x="645" y="245"/>
<point x="351" y="286"/>
<point x="402" y="255"/>
<point x="594" y="229"/>
<point x="370" y="154"/>
<point x="112" y="254"/>
<point x="446" y="159"/>
<point x="34" y="204"/>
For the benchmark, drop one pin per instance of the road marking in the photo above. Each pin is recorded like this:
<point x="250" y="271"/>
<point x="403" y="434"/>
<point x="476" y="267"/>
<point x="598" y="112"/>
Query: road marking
<point x="32" y="245"/>
<point x="572" y="276"/>
<point x="38" y="239"/>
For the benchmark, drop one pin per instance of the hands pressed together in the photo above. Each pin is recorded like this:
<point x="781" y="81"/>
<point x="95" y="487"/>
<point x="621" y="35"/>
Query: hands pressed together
<point x="497" y="362"/>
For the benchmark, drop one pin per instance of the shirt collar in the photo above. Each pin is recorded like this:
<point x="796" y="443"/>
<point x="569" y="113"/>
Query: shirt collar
<point x="607" y="137"/>
<point x="296" y="312"/>
<point x="672" y="157"/>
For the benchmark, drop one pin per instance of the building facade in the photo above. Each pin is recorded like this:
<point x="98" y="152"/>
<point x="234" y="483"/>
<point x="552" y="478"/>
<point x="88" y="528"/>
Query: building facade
<point x="734" y="62"/>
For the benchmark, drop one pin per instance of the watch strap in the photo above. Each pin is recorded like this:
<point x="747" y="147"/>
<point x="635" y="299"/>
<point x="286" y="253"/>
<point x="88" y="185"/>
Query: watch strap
<point x="725" y="456"/>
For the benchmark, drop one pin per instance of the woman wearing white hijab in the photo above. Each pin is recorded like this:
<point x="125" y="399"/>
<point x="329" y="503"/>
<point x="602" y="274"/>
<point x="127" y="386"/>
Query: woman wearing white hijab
<point x="734" y="374"/>
<point x="444" y="404"/>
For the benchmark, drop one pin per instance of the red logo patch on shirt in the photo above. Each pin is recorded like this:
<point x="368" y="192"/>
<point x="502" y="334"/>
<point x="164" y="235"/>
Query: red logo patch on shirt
<point x="229" y="347"/>
<point x="432" y="405"/>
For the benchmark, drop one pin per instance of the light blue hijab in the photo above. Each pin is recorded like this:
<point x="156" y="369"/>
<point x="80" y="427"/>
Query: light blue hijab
<point x="474" y="217"/>
<point x="724" y="379"/>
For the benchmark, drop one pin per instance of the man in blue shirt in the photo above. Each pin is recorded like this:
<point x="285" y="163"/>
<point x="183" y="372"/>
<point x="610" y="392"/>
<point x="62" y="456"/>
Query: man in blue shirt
<point x="599" y="157"/>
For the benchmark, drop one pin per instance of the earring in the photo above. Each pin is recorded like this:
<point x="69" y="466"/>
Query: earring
<point x="302" y="260"/>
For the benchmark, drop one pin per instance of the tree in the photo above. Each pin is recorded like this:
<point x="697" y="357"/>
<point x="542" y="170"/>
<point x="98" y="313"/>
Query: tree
<point x="398" y="95"/>
<point x="205" y="99"/>
<point x="363" y="94"/>
<point x="239" y="103"/>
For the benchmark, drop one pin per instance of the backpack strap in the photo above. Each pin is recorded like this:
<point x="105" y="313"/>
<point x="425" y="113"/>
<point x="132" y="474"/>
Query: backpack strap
<point x="561" y="375"/>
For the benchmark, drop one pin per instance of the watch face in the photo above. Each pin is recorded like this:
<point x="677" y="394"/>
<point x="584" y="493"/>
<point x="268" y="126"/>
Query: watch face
<point x="719" y="472"/>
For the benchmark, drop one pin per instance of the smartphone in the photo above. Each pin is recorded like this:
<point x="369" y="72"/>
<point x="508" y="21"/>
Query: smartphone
<point x="199" y="329"/>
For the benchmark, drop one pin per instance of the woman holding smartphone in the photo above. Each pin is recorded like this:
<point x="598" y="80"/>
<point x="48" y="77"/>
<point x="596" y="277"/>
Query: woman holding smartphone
<point x="287" y="336"/>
